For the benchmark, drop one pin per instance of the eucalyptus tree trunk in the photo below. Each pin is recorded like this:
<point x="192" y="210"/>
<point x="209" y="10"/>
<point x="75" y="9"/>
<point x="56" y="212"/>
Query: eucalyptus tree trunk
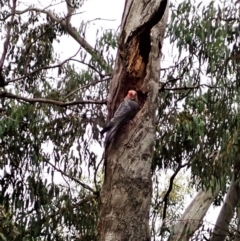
<point x="127" y="187"/>
<point x="192" y="218"/>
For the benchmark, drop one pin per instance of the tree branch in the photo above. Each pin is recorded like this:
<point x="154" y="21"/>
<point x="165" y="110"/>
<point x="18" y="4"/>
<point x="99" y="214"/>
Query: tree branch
<point x="42" y="68"/>
<point x="165" y="199"/>
<point x="72" y="32"/>
<point x="49" y="101"/>
<point x="86" y="86"/>
<point x="163" y="88"/>
<point x="73" y="178"/>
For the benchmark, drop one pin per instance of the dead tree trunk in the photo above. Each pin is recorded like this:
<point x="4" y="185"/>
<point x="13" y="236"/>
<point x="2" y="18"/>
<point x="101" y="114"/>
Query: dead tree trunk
<point x="127" y="188"/>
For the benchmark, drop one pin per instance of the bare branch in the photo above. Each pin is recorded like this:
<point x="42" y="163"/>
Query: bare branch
<point x="71" y="177"/>
<point x="166" y="197"/>
<point x="102" y="19"/>
<point x="49" y="101"/>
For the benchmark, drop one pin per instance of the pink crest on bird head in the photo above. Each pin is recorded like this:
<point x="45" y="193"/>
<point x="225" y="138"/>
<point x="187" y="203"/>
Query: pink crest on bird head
<point x="132" y="94"/>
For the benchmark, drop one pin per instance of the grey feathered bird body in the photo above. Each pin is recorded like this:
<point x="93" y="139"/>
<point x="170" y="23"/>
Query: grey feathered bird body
<point x="124" y="113"/>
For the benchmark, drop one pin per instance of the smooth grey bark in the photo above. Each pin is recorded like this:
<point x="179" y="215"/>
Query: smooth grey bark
<point x="237" y="235"/>
<point x="192" y="218"/>
<point x="127" y="187"/>
<point x="221" y="229"/>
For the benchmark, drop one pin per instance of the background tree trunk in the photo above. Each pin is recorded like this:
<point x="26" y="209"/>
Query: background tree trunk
<point x="127" y="188"/>
<point x="221" y="229"/>
<point x="237" y="235"/>
<point x="232" y="200"/>
<point x="192" y="218"/>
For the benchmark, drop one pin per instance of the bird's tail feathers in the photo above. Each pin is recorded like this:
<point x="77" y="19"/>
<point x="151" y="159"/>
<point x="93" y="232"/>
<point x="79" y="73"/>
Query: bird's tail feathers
<point x="107" y="128"/>
<point x="104" y="130"/>
<point x="111" y="134"/>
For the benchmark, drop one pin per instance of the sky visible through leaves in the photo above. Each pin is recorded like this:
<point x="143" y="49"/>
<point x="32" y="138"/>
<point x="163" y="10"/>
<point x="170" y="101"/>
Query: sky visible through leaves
<point x="101" y="14"/>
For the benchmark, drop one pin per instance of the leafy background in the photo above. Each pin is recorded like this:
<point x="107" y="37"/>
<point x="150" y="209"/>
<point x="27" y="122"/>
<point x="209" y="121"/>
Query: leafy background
<point x="52" y="110"/>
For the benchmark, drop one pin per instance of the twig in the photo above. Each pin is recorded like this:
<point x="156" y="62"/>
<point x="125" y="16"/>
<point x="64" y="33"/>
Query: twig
<point x="42" y="68"/>
<point x="96" y="170"/>
<point x="165" y="199"/>
<point x="172" y="80"/>
<point x="86" y="86"/>
<point x="102" y="19"/>
<point x="7" y="40"/>
<point x="91" y="67"/>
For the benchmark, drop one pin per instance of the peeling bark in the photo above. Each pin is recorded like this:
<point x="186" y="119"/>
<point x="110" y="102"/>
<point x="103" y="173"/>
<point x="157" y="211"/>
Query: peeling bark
<point x="192" y="218"/>
<point x="127" y="188"/>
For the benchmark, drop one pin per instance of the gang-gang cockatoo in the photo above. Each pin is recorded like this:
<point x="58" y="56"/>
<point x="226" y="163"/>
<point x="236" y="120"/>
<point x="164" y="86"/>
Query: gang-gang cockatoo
<point x="124" y="113"/>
